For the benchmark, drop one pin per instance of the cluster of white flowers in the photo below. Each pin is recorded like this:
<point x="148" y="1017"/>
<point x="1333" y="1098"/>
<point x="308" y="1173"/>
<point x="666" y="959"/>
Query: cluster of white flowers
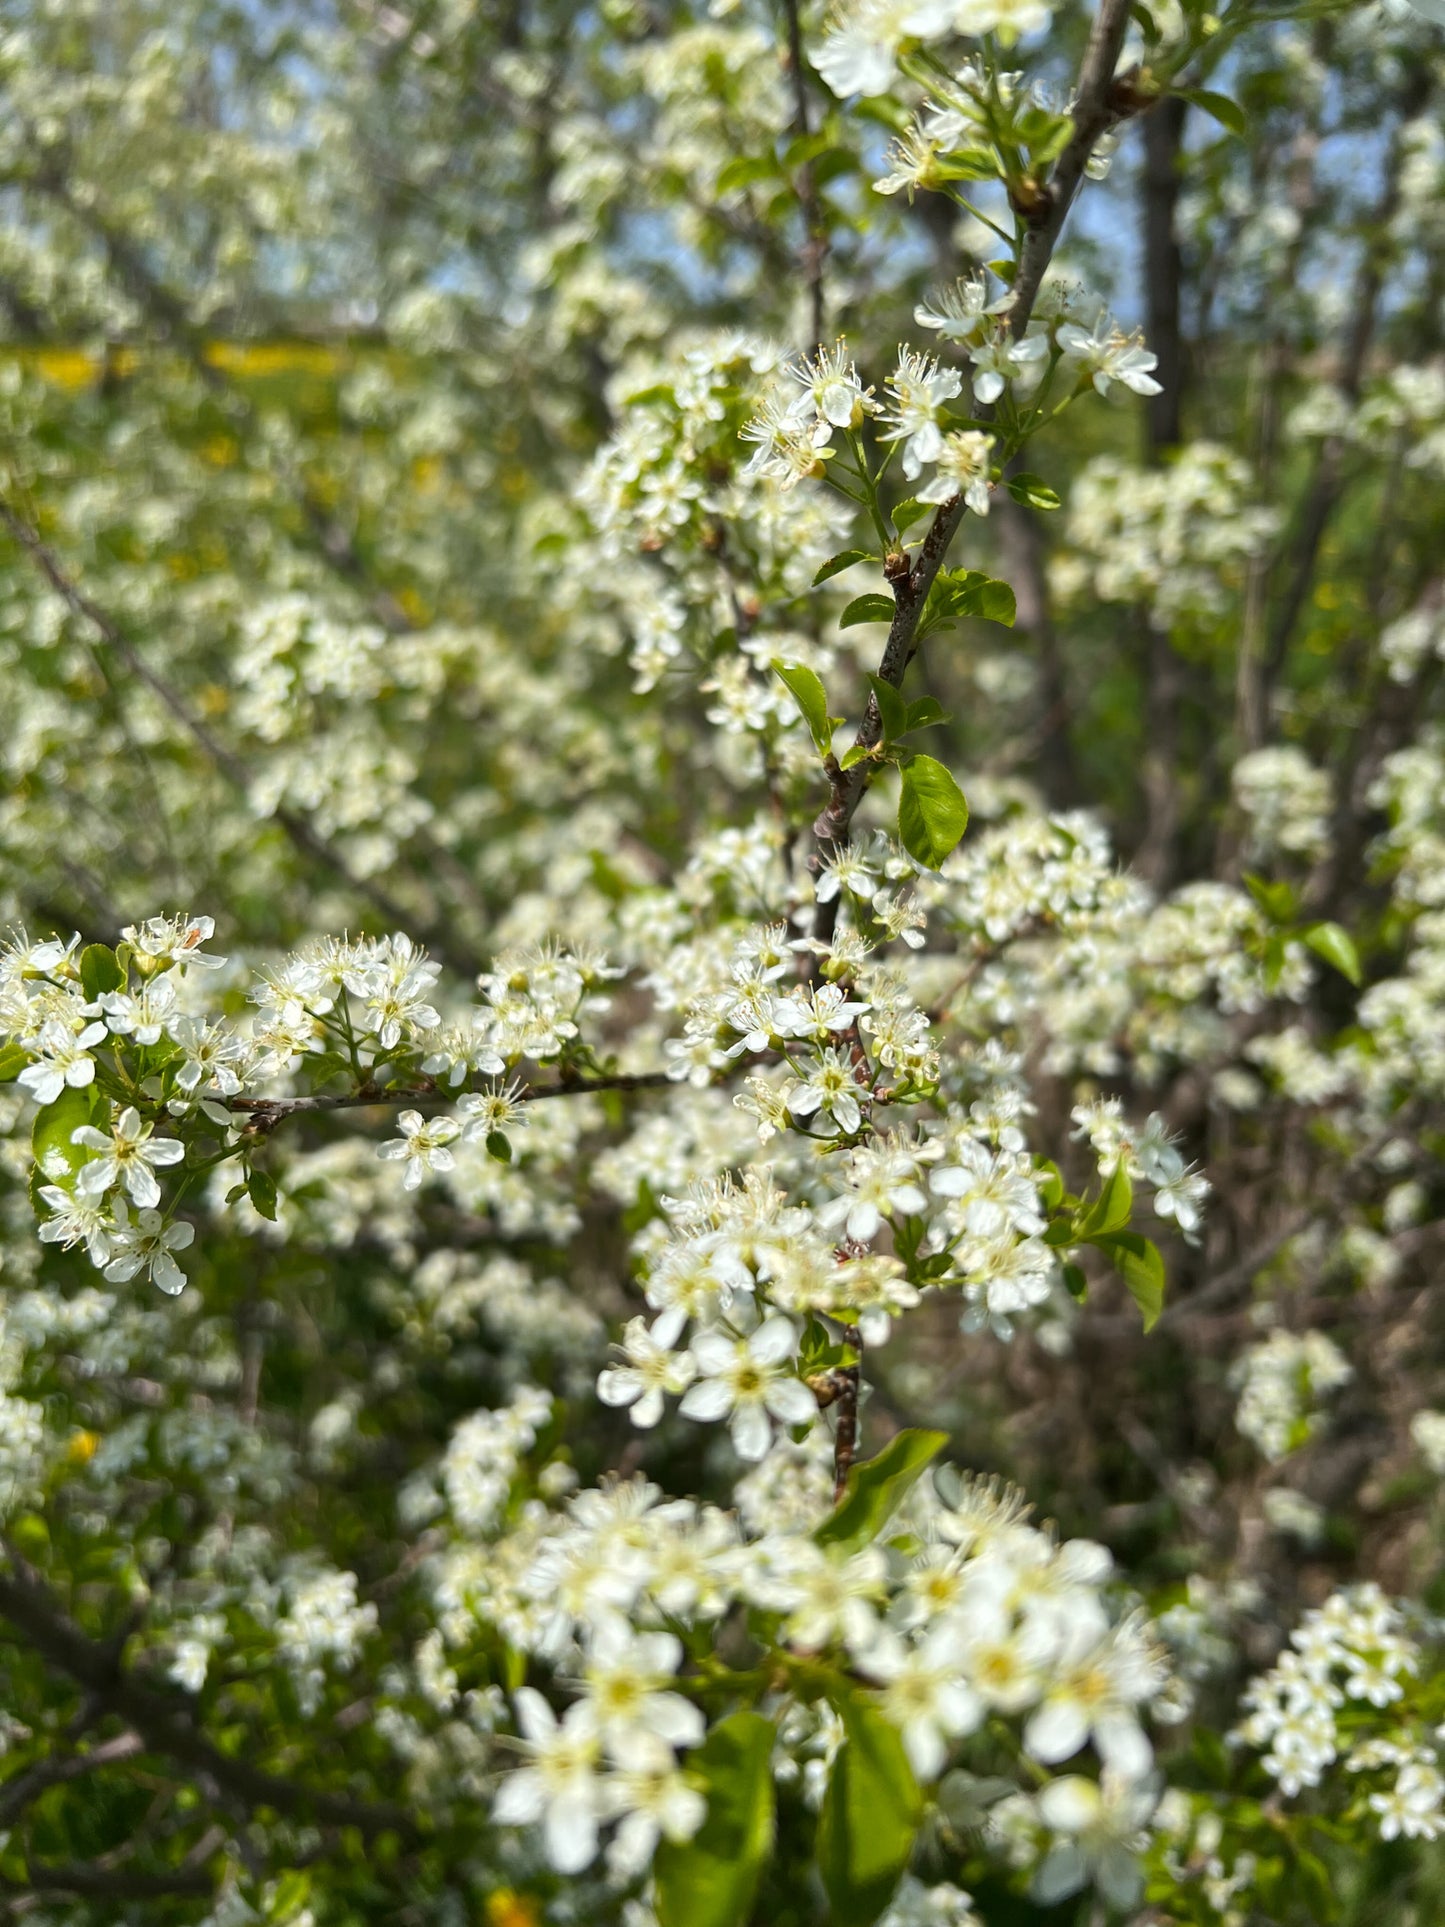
<point x="1287" y="801"/>
<point x="1427" y="1430"/>
<point x="962" y="1612"/>
<point x="322" y="1624"/>
<point x="1342" y="1690"/>
<point x="1173" y="539"/>
<point x="362" y="1006"/>
<point x="859" y="53"/>
<point x="1282" y="1384"/>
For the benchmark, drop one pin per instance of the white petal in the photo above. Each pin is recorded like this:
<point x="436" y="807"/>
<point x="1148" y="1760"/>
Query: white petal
<point x="790" y="1400"/>
<point x="1057" y="1730"/>
<point x="571" y="1833"/>
<point x="751" y="1432"/>
<point x="648" y="1409"/>
<point x="521" y="1799"/>
<point x="709" y="1398"/>
<point x="619" y="1385"/>
<point x="535" y="1717"/>
<point x="774" y="1340"/>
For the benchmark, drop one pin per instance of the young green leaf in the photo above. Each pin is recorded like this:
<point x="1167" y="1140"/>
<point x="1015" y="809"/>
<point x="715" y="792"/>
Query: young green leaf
<point x="57" y="1158"/>
<point x="867" y="608"/>
<point x="932" y="812"/>
<point x="1219" y="107"/>
<point x="870" y="1815"/>
<point x="746" y="170"/>
<point x="806" y="688"/>
<point x="997" y="603"/>
<point x="1337" y="948"/>
<point x="855" y="753"/>
<point x="844" y="559"/>
<point x="13" y="1059"/>
<point x="261" y="1189"/>
<point x="892" y="710"/>
<point x="1110" y="1210"/>
<point x="1279" y="901"/>
<point x="1138" y="1263"/>
<point x="909" y="511"/>
<point x="99" y="970"/>
<point x="1033" y="491"/>
<point x="877" y="1487"/>
<point x="499" y="1146"/>
<point x="710" y="1880"/>
<point x="927" y="711"/>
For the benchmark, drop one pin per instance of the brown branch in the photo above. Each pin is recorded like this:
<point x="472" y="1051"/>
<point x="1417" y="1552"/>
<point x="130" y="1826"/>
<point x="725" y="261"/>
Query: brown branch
<point x="814" y="252"/>
<point x="16" y="1794"/>
<point x="268" y="1112"/>
<point x="105" y="1883"/>
<point x="308" y="841"/>
<point x="165" y="1725"/>
<point x="1099" y="104"/>
<point x="1328" y="483"/>
<point x="849" y="1384"/>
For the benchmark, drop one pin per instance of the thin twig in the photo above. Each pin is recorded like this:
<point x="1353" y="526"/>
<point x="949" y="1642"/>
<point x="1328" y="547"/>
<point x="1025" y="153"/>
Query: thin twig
<point x="268" y="1112"/>
<point x="17" y="1794"/>
<point x="814" y="251"/>
<point x="1099" y="104"/>
<point x="165" y="1725"/>
<point x="231" y="766"/>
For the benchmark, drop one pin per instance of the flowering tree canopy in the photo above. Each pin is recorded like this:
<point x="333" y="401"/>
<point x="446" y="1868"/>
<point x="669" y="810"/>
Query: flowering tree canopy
<point x="722" y="1037"/>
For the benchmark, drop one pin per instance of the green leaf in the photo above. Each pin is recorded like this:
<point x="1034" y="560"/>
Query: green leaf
<point x="876" y="1489"/>
<point x="1075" y="1283"/>
<point x="99" y="970"/>
<point x="746" y="170"/>
<point x="1138" y="1263"/>
<point x="844" y="559"/>
<point x="1110" y="1210"/>
<point x="869" y="1818"/>
<point x="855" y="753"/>
<point x="926" y="712"/>
<point x="13" y="1059"/>
<point x="261" y="1190"/>
<point x="997" y="603"/>
<point x="1337" y="948"/>
<point x="1220" y="107"/>
<point x="1033" y="491"/>
<point x="57" y="1158"/>
<point x="892" y="710"/>
<point x="1279" y="901"/>
<point x="966" y="164"/>
<point x="867" y="608"/>
<point x="909" y="511"/>
<point x="499" y="1146"/>
<point x="710" y="1880"/>
<point x="957" y="593"/>
<point x="1050" y="1180"/>
<point x="806" y="687"/>
<point x="932" y="812"/>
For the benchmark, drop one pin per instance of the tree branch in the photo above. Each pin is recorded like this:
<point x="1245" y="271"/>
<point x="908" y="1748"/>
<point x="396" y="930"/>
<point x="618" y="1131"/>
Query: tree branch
<point x="814" y="252"/>
<point x="17" y="1794"/>
<point x="268" y="1112"/>
<point x="305" y="839"/>
<point x="1098" y="105"/>
<point x="166" y="1726"/>
<point x="1328" y="482"/>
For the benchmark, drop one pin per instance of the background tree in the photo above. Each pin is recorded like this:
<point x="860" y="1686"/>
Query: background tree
<point x="493" y="499"/>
